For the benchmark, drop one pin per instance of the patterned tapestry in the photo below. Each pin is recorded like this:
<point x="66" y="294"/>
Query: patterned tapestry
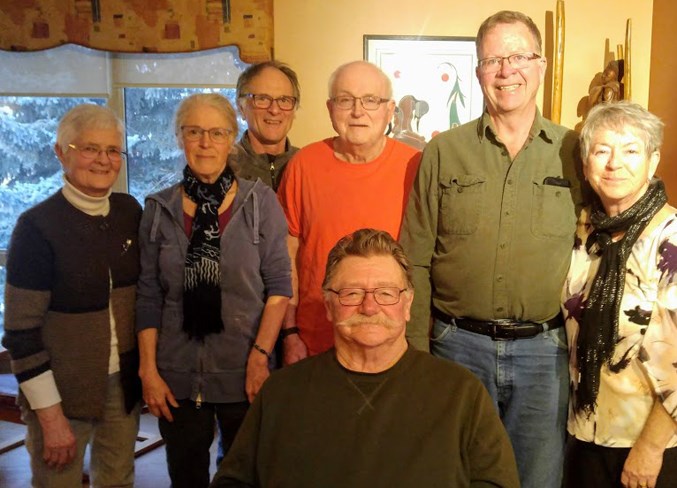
<point x="161" y="26"/>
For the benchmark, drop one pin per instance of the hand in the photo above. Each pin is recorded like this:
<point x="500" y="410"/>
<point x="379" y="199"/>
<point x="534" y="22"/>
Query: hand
<point x="257" y="373"/>
<point x="157" y="394"/>
<point x="294" y="349"/>
<point x="58" y="441"/>
<point x="642" y="466"/>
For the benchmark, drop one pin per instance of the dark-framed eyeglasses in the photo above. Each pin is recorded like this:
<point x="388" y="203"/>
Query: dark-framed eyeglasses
<point x="219" y="135"/>
<point x="385" y="295"/>
<point x="91" y="151"/>
<point x="260" y="100"/>
<point x="517" y="61"/>
<point x="369" y="102"/>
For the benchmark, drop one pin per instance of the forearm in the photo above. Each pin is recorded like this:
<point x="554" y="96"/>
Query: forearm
<point x="147" y="339"/>
<point x="290" y="314"/>
<point x="271" y="321"/>
<point x="659" y="428"/>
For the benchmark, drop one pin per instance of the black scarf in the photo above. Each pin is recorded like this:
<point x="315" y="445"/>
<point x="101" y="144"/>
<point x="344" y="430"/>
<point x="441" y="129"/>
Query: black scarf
<point x="599" y="323"/>
<point x="202" y="275"/>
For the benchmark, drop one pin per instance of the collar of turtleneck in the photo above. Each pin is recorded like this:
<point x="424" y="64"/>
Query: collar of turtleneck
<point x="86" y="203"/>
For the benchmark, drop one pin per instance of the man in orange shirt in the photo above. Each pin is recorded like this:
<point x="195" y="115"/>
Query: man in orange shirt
<point x="360" y="178"/>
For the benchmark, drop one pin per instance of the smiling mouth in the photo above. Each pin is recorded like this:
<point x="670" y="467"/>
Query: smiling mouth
<point x="509" y="87"/>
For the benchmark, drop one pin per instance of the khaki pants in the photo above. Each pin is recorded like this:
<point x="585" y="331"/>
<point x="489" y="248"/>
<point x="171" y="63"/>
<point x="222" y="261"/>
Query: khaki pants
<point x="111" y="440"/>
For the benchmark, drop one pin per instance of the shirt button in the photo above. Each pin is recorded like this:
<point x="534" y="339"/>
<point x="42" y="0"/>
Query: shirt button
<point x="558" y="193"/>
<point x="499" y="278"/>
<point x="507" y="212"/>
<point x="502" y="245"/>
<point x="499" y="309"/>
<point x="460" y="189"/>
<point x="509" y="181"/>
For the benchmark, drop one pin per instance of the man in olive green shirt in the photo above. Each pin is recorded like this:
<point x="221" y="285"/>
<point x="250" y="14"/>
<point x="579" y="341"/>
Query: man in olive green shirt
<point x="489" y="229"/>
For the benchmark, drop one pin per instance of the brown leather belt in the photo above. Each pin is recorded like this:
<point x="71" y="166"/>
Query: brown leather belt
<point x="500" y="330"/>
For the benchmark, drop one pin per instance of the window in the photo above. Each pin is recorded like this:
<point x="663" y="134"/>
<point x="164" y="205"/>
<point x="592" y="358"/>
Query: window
<point x="38" y="88"/>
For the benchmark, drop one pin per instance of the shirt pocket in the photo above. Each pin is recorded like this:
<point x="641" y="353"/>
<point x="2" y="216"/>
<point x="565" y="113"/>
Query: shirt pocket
<point x="553" y="214"/>
<point x="461" y="203"/>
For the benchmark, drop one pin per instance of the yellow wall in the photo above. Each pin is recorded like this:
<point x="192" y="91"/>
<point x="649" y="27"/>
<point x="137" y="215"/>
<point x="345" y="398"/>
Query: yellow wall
<point x="663" y="82"/>
<point x="315" y="36"/>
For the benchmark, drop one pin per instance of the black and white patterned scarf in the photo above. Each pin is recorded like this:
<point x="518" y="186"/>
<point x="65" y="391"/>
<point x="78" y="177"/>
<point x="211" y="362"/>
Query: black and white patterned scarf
<point x="202" y="275"/>
<point x="598" y="333"/>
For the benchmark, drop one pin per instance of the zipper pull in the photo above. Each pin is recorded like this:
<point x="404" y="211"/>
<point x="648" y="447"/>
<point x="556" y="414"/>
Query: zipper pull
<point x="198" y="401"/>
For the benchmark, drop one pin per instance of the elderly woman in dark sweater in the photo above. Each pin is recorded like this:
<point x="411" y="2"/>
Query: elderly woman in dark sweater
<point x="72" y="269"/>
<point x="213" y="291"/>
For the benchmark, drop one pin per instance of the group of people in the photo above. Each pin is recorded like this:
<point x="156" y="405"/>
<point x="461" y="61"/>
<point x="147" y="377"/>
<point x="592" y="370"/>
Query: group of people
<point x="530" y="294"/>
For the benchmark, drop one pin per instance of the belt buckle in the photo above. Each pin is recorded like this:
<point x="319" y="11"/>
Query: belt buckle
<point x="503" y="330"/>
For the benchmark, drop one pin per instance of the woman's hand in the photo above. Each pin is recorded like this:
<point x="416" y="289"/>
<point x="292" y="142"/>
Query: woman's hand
<point x="157" y="395"/>
<point x="58" y="441"/>
<point x="642" y="466"/>
<point x="294" y="349"/>
<point x="257" y="373"/>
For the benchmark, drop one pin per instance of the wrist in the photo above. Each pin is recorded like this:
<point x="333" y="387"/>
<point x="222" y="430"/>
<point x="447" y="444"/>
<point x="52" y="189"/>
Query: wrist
<point x="258" y="351"/>
<point x="288" y="331"/>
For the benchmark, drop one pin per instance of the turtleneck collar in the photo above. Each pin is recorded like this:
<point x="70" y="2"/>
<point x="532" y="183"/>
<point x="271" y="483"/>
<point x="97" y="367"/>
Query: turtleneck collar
<point x="86" y="203"/>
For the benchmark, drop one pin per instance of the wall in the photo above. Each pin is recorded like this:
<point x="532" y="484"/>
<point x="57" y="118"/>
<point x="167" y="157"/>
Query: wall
<point x="662" y="89"/>
<point x="315" y="36"/>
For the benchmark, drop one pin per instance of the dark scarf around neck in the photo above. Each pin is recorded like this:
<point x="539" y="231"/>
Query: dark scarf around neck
<point x="599" y="324"/>
<point x="202" y="275"/>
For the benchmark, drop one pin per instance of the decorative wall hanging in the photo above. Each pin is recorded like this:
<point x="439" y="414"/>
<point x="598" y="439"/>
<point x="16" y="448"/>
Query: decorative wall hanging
<point x="434" y="82"/>
<point x="161" y="26"/>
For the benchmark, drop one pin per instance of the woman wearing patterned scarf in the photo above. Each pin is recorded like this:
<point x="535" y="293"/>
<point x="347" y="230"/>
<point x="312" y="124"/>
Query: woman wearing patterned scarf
<point x="214" y="286"/>
<point x="619" y="302"/>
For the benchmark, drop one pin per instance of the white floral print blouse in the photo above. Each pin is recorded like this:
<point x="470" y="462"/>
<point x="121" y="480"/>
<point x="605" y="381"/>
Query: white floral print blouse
<point x="644" y="364"/>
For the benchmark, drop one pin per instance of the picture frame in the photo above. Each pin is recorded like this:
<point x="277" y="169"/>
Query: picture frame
<point x="433" y="79"/>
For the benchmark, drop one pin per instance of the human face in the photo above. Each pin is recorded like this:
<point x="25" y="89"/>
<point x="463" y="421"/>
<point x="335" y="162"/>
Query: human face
<point x="357" y="127"/>
<point x="510" y="90"/>
<point x="619" y="168"/>
<point x="268" y="126"/>
<point x="368" y="325"/>
<point x="93" y="177"/>
<point x="206" y="158"/>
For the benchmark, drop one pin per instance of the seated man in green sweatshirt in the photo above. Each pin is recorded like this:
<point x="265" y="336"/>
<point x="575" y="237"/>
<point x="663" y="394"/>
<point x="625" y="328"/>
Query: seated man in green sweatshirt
<point x="369" y="413"/>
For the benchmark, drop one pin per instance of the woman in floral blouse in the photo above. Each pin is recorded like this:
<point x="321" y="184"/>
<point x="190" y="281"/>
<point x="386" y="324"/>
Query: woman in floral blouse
<point x="619" y="302"/>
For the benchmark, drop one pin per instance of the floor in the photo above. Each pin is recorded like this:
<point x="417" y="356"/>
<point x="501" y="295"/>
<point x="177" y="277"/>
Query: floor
<point x="151" y="468"/>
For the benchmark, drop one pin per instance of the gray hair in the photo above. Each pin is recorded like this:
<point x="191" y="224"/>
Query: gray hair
<point x="339" y="70"/>
<point x="256" y="69"/>
<point x="619" y="116"/>
<point x="214" y="100"/>
<point x="85" y="117"/>
<point x="508" y="17"/>
<point x="365" y="243"/>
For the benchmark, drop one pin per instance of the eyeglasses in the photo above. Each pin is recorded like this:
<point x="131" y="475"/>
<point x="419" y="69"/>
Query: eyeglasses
<point x="91" y="151"/>
<point x="219" y="135"/>
<point x="517" y="61"/>
<point x="387" y="295"/>
<point x="369" y="102"/>
<point x="265" y="101"/>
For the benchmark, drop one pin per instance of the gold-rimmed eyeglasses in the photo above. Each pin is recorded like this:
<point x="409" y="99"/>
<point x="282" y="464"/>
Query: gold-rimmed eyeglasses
<point x="369" y="102"/>
<point x="90" y="151"/>
<point x="385" y="295"/>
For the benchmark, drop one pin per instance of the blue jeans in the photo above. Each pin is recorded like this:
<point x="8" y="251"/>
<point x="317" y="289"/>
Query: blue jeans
<point x="528" y="379"/>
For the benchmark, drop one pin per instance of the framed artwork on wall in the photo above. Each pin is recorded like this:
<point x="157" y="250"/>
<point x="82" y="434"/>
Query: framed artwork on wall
<point x="434" y="82"/>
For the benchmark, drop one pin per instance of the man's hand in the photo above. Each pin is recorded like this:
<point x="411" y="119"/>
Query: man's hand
<point x="294" y="349"/>
<point x="157" y="395"/>
<point x="59" y="445"/>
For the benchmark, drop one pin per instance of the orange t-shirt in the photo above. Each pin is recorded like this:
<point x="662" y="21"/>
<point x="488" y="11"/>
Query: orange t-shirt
<point x="324" y="199"/>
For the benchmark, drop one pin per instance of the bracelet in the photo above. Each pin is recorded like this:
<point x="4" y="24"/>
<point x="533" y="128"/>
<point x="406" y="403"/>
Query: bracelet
<point x="261" y="350"/>
<point x="284" y="333"/>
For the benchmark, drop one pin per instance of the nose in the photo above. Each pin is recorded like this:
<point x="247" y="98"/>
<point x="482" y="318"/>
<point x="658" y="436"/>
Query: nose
<point x="204" y="138"/>
<point x="506" y="68"/>
<point x="614" y="161"/>
<point x="274" y="107"/>
<point x="357" y="109"/>
<point x="369" y="306"/>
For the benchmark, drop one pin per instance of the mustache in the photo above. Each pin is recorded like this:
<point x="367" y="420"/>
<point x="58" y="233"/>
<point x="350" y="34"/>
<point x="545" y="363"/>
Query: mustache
<point x="360" y="319"/>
